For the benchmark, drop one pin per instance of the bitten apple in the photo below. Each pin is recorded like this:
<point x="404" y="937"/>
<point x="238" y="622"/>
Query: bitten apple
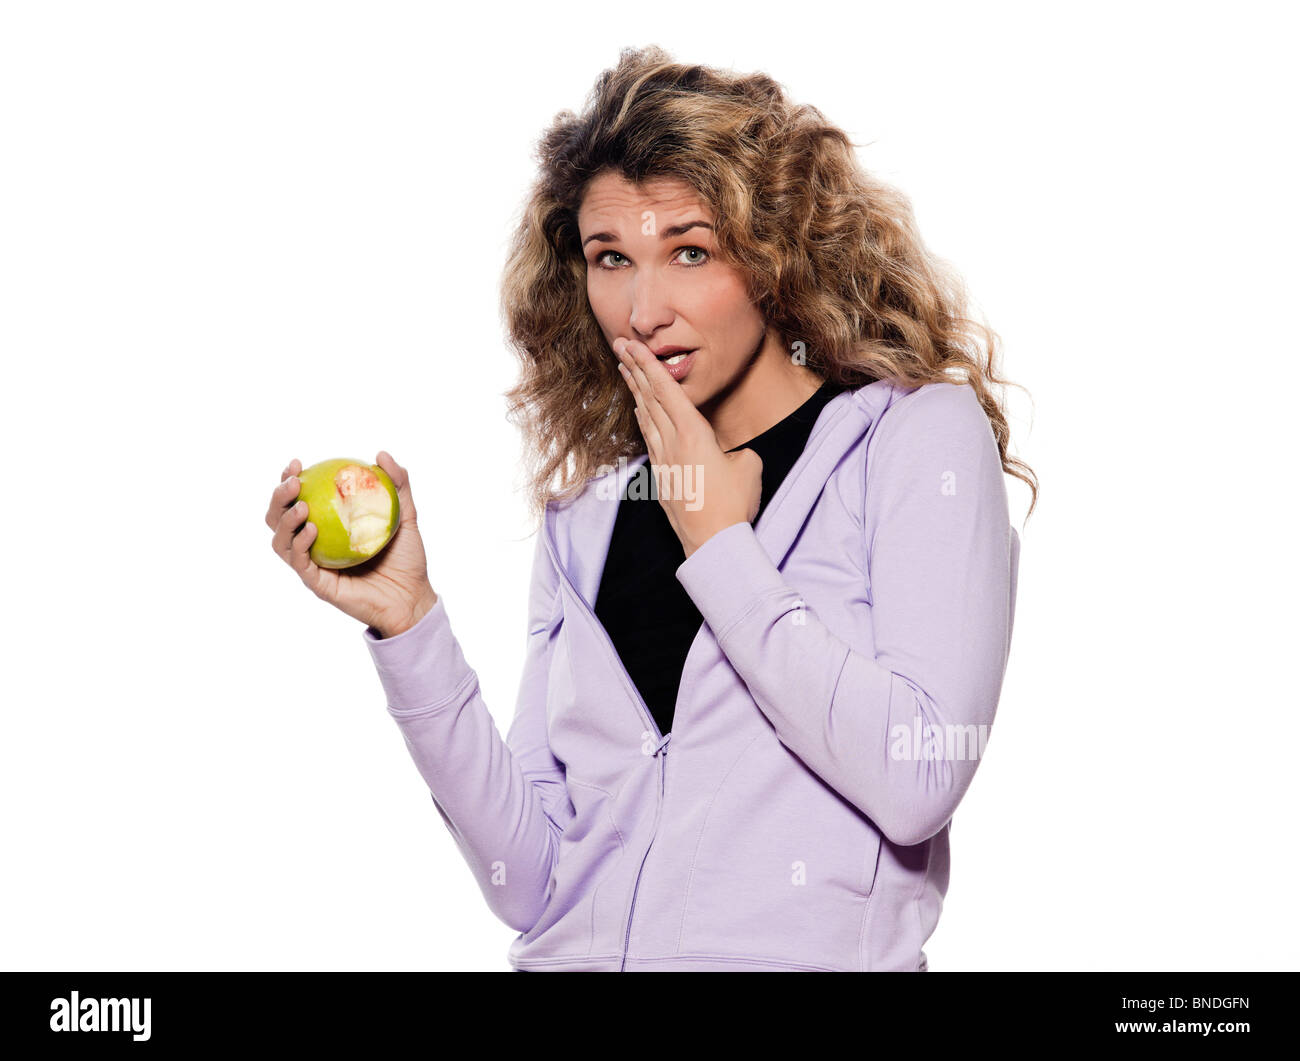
<point x="354" y="507"/>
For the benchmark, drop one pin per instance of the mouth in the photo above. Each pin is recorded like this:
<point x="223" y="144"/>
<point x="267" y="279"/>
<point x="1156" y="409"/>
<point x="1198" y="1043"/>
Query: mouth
<point x="678" y="362"/>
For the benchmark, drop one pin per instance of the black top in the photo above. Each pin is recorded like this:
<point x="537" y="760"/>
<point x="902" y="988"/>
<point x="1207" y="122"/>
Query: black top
<point x="649" y="615"/>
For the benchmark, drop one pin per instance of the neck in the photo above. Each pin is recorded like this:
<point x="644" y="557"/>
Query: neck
<point x="767" y="390"/>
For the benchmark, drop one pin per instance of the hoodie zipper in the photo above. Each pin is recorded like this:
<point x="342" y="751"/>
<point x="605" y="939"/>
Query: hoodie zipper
<point x="659" y="806"/>
<point x="663" y="769"/>
<point x="662" y="739"/>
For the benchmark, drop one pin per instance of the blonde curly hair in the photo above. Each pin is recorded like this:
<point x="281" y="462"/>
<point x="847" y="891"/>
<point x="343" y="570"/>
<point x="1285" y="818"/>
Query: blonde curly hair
<point x="830" y="255"/>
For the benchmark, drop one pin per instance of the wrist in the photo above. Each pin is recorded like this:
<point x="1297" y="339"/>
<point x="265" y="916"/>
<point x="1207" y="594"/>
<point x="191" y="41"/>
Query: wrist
<point x="698" y="541"/>
<point x="391" y="626"/>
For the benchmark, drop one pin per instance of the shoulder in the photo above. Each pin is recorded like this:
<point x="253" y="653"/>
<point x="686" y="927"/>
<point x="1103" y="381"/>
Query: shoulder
<point x="936" y="422"/>
<point x="932" y="406"/>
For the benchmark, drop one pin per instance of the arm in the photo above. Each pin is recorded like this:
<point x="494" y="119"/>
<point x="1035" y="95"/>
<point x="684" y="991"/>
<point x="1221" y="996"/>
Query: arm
<point x="504" y="802"/>
<point x="940" y="571"/>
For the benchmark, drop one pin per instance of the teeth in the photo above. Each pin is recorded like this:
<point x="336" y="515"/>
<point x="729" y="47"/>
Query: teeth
<point x="675" y="359"/>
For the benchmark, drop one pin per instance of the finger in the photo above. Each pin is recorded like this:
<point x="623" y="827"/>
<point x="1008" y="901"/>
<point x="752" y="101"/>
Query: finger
<point x="632" y="384"/>
<point x="401" y="480"/>
<point x="292" y="468"/>
<point x="300" y="558"/>
<point x="624" y="369"/>
<point x="751" y="457"/>
<point x="282" y="497"/>
<point x="635" y="355"/>
<point x="653" y="440"/>
<point x="676" y="410"/>
<point x="286" y="526"/>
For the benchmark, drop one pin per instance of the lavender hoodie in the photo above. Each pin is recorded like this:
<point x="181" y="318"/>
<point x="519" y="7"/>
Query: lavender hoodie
<point x="832" y="712"/>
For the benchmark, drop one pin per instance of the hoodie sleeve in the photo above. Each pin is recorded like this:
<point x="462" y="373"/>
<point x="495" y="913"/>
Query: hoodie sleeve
<point x="504" y="802"/>
<point x="941" y="581"/>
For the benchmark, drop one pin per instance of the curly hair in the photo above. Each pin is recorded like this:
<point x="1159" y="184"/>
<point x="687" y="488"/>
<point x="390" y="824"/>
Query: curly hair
<point x="831" y="257"/>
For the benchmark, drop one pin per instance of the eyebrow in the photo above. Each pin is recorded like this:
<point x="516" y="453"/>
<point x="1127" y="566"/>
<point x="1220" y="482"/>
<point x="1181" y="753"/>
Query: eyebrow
<point x="669" y="233"/>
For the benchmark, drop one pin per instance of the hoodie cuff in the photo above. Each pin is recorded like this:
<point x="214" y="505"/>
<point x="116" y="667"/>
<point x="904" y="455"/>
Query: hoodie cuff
<point x="728" y="575"/>
<point x="421" y="668"/>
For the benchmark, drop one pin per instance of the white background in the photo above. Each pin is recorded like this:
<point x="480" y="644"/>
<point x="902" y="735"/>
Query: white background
<point x="236" y="233"/>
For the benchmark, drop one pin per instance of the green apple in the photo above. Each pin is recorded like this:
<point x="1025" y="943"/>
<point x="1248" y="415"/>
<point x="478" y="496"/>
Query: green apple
<point x="354" y="507"/>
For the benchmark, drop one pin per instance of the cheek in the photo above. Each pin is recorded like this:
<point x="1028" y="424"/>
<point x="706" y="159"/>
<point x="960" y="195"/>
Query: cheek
<point x="729" y="314"/>
<point x="602" y="305"/>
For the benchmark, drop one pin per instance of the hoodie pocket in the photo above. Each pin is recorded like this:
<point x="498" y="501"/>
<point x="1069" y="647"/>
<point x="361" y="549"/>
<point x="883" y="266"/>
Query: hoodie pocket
<point x="783" y="867"/>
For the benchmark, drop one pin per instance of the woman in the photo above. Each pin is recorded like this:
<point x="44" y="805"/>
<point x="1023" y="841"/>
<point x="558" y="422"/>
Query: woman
<point x="806" y="609"/>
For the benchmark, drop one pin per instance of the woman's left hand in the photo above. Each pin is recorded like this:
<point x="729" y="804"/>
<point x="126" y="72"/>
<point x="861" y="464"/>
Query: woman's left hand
<point x="702" y="488"/>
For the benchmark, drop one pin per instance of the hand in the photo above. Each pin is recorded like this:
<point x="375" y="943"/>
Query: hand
<point x="390" y="591"/>
<point x="715" y="489"/>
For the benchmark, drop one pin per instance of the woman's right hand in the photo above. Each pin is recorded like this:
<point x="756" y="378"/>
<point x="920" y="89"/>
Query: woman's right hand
<point x="390" y="591"/>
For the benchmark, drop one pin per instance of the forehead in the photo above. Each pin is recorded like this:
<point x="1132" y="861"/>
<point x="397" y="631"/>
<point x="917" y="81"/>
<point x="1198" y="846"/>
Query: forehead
<point x="612" y="194"/>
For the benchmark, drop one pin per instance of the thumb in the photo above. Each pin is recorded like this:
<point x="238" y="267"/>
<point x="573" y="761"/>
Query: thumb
<point x="752" y="471"/>
<point x="744" y="456"/>
<point x="401" y="480"/>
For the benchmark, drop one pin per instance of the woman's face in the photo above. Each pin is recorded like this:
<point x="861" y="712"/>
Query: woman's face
<point x="652" y="276"/>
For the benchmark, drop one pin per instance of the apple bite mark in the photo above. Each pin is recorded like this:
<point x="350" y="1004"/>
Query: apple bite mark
<point x="354" y="508"/>
<point x="364" y="507"/>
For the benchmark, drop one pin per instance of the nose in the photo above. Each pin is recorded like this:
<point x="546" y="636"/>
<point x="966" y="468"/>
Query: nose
<point x="651" y="308"/>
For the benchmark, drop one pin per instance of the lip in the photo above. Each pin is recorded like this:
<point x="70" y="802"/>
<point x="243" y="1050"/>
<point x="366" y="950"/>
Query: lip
<point x="679" y="370"/>
<point x="670" y="350"/>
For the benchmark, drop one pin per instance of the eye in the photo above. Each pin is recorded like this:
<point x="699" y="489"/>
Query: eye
<point x="694" y="250"/>
<point x="600" y="258"/>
